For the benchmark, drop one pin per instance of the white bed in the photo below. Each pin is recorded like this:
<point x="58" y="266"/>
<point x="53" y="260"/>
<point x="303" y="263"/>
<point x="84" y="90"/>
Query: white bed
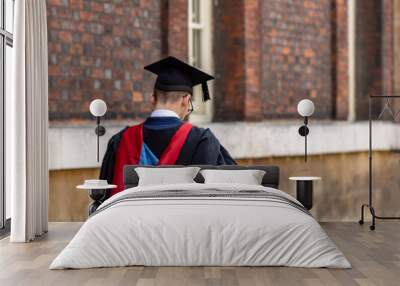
<point x="245" y="225"/>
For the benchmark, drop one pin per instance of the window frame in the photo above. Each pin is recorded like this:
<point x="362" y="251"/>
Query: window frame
<point x="6" y="39"/>
<point x="202" y="111"/>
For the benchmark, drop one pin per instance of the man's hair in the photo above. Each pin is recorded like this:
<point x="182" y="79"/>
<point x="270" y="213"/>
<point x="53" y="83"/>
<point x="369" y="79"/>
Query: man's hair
<point x="168" y="96"/>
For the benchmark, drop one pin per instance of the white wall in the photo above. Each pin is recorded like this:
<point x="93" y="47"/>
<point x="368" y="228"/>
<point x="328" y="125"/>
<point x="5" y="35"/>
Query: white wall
<point x="75" y="147"/>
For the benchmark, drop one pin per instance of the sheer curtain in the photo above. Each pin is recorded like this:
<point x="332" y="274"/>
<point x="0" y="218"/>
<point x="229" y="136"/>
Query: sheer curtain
<point x="27" y="124"/>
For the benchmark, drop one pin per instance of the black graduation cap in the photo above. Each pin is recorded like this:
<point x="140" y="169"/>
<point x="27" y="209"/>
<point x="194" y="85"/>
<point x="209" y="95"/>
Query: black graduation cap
<point x="176" y="75"/>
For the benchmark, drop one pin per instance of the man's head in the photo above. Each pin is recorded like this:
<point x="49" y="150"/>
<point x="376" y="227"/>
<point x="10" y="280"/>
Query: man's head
<point x="177" y="101"/>
<point x="176" y="79"/>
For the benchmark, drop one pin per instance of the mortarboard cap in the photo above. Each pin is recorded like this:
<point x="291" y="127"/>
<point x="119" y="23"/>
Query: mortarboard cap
<point x="176" y="75"/>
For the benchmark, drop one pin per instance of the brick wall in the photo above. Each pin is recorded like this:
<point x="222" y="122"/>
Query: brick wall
<point x="396" y="43"/>
<point x="229" y="48"/>
<point x="296" y="56"/>
<point x="374" y="57"/>
<point x="280" y="51"/>
<point x="253" y="107"/>
<point x="175" y="28"/>
<point x="396" y="51"/>
<point x="277" y="53"/>
<point x="340" y="65"/>
<point x="388" y="46"/>
<point x="97" y="49"/>
<point x="267" y="55"/>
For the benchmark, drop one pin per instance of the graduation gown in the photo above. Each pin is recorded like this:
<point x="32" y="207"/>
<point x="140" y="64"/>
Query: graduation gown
<point x="200" y="147"/>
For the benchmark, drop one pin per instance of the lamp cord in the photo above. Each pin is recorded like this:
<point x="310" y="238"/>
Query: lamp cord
<point x="98" y="138"/>
<point x="305" y="148"/>
<point x="305" y="138"/>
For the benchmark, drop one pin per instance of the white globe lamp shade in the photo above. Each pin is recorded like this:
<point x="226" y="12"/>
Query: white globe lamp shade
<point x="98" y="107"/>
<point x="305" y="108"/>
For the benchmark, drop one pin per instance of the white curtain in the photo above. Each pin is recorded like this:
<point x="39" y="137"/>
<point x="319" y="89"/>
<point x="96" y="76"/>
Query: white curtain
<point x="27" y="123"/>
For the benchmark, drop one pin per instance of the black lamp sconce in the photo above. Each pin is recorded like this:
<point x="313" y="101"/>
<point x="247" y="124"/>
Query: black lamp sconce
<point x="98" y="108"/>
<point x="305" y="108"/>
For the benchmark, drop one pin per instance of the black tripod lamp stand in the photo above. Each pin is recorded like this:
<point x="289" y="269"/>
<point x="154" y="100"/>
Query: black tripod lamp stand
<point x="98" y="108"/>
<point x="305" y="108"/>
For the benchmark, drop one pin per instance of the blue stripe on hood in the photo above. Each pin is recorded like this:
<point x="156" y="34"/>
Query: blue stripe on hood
<point x="147" y="157"/>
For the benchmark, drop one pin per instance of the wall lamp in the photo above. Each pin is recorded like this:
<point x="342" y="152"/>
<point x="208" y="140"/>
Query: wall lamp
<point x="305" y="108"/>
<point x="98" y="108"/>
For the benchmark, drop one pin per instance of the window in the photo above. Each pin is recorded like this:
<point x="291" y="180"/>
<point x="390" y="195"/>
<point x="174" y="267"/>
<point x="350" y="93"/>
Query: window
<point x="6" y="64"/>
<point x="200" y="53"/>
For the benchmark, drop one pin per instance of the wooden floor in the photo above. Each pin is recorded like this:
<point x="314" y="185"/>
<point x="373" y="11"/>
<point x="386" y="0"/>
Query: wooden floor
<point x="375" y="257"/>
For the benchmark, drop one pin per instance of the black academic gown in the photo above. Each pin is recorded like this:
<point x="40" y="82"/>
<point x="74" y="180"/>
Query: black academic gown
<point x="201" y="148"/>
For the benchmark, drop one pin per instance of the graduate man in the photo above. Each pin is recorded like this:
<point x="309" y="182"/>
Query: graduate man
<point x="164" y="138"/>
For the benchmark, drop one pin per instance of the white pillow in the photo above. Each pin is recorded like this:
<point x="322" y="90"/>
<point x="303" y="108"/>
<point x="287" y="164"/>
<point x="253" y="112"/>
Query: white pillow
<point x="248" y="177"/>
<point x="164" y="176"/>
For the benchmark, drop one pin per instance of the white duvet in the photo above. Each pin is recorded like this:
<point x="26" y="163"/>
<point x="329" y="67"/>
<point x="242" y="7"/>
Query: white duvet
<point x="183" y="231"/>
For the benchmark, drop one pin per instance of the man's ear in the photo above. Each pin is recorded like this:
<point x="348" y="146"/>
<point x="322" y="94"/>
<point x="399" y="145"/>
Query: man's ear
<point x="185" y="100"/>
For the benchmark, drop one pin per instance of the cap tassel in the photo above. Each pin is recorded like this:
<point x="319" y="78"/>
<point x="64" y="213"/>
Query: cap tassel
<point x="206" y="94"/>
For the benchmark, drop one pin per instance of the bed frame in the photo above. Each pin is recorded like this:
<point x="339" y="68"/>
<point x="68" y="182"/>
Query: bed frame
<point x="270" y="179"/>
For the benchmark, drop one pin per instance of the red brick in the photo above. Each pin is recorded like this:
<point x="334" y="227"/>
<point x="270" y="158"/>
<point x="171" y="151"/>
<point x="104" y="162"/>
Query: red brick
<point x="96" y="7"/>
<point x="86" y="16"/>
<point x="65" y="36"/>
<point x="55" y="2"/>
<point x="76" y="4"/>
<point x="127" y="85"/>
<point x="53" y="70"/>
<point x="137" y="96"/>
<point x="286" y="51"/>
<point x="87" y="38"/>
<point x="308" y="53"/>
<point x="76" y="49"/>
<point x="98" y="73"/>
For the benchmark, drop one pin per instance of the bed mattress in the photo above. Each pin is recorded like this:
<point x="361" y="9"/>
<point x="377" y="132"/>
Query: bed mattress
<point x="201" y="225"/>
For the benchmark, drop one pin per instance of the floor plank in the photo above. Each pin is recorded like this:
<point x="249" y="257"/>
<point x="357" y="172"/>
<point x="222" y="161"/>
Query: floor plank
<point x="375" y="257"/>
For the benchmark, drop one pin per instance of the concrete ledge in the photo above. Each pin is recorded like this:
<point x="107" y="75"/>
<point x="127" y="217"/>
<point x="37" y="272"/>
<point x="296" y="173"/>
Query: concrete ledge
<point x="72" y="147"/>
